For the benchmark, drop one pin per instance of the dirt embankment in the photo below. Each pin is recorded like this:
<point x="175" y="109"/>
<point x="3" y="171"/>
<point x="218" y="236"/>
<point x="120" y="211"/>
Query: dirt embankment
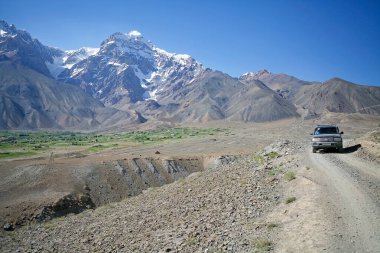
<point x="39" y="192"/>
<point x="221" y="208"/>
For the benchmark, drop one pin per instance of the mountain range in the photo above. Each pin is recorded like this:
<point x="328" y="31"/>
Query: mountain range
<point x="128" y="80"/>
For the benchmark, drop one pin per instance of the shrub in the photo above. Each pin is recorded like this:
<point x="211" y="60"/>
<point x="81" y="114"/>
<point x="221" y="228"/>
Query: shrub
<point x="273" y="155"/>
<point x="258" y="159"/>
<point x="290" y="200"/>
<point x="271" y="225"/>
<point x="263" y="245"/>
<point x="290" y="175"/>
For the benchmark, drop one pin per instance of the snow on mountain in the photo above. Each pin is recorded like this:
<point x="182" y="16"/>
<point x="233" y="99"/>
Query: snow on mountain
<point x="67" y="59"/>
<point x="134" y="34"/>
<point x="72" y="57"/>
<point x="170" y="67"/>
<point x="255" y="75"/>
<point x="2" y="32"/>
<point x="129" y="68"/>
<point x="56" y="67"/>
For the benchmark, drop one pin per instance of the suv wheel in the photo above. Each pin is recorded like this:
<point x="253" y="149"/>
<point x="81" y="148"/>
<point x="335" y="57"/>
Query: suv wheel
<point x="314" y="149"/>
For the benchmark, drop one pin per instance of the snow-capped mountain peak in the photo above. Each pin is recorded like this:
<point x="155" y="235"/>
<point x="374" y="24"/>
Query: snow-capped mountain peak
<point x="123" y="39"/>
<point x="132" y="43"/>
<point x="83" y="50"/>
<point x="255" y="75"/>
<point x="180" y="58"/>
<point x="72" y="57"/>
<point x="19" y="44"/>
<point x="67" y="59"/>
<point x="8" y="31"/>
<point x="128" y="65"/>
<point x="134" y="34"/>
<point x="5" y="29"/>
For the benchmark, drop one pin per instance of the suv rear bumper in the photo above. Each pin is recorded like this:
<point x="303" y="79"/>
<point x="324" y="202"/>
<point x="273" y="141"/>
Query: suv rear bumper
<point x="327" y="144"/>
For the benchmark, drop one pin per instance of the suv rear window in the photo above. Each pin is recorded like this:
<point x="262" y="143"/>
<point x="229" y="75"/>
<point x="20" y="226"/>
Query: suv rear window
<point x="326" y="130"/>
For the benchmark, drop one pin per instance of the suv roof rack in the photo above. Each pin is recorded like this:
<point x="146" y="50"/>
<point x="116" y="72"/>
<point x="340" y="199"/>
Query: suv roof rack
<point x="322" y="125"/>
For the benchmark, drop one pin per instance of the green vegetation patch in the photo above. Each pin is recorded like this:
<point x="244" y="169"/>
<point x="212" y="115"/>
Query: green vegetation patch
<point x="263" y="245"/>
<point x="290" y="200"/>
<point x="26" y="143"/>
<point x="191" y="240"/>
<point x="100" y="147"/>
<point x="5" y="155"/>
<point x="169" y="134"/>
<point x="290" y="175"/>
<point x="259" y="159"/>
<point x="273" y="155"/>
<point x="272" y="225"/>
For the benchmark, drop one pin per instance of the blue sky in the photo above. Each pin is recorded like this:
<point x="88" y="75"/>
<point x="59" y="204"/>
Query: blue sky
<point x="312" y="40"/>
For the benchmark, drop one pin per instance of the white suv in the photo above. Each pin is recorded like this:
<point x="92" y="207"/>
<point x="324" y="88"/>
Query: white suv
<point x="327" y="137"/>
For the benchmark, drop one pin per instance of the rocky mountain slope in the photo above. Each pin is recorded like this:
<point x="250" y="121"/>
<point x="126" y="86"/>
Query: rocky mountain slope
<point x="338" y="95"/>
<point x="21" y="47"/>
<point x="31" y="100"/>
<point x="214" y="95"/>
<point x="287" y="86"/>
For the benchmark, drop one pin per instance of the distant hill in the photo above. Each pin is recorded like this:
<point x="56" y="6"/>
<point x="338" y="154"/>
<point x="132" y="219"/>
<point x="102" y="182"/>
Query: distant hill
<point x="285" y="85"/>
<point x="335" y="95"/>
<point x="338" y="95"/>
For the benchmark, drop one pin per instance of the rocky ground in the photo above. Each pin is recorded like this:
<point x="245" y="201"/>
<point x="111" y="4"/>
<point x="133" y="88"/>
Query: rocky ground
<point x="279" y="198"/>
<point x="219" y="209"/>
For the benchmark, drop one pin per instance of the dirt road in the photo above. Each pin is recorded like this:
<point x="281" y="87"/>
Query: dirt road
<point x="351" y="190"/>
